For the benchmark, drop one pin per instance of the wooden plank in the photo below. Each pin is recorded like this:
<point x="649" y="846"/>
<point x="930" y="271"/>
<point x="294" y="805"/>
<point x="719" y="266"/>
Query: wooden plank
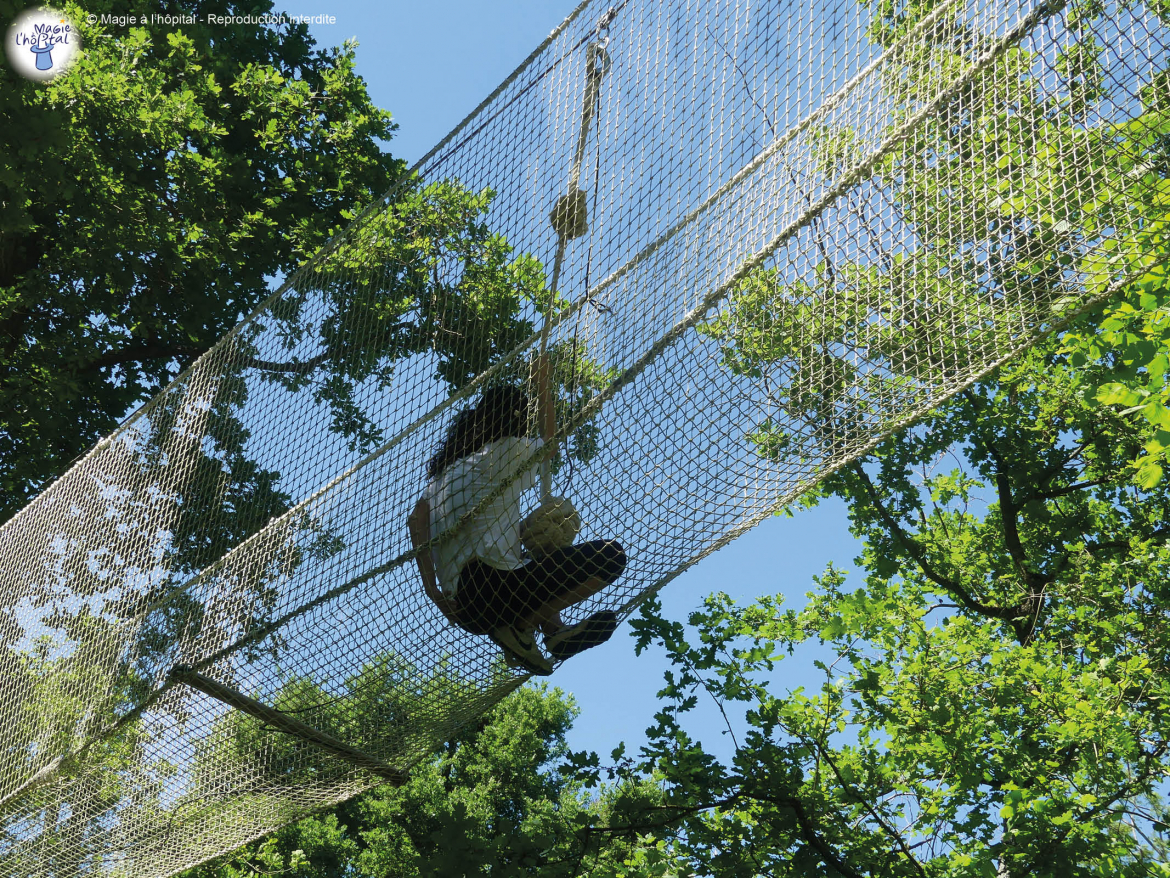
<point x="287" y="724"/>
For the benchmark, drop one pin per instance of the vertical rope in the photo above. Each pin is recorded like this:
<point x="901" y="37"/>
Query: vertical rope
<point x="570" y="220"/>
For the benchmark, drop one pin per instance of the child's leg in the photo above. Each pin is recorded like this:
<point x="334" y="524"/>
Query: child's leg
<point x="548" y="617"/>
<point x="568" y="576"/>
<point x="491" y="601"/>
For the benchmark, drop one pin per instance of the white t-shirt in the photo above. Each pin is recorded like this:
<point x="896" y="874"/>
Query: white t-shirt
<point x="493" y="536"/>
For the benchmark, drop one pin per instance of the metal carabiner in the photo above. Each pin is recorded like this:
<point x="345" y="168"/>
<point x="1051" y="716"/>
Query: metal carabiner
<point x="606" y="20"/>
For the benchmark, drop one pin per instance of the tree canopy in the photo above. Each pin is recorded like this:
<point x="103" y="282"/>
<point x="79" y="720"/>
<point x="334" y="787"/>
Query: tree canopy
<point x="148" y="198"/>
<point x="496" y="800"/>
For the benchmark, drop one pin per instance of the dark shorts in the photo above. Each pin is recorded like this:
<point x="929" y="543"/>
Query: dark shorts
<point x="489" y="598"/>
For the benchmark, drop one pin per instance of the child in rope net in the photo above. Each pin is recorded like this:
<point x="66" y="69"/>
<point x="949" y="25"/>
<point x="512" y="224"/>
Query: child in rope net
<point x="481" y="578"/>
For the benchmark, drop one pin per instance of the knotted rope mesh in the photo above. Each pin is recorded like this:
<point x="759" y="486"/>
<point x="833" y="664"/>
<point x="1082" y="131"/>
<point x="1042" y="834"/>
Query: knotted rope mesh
<point x="754" y="238"/>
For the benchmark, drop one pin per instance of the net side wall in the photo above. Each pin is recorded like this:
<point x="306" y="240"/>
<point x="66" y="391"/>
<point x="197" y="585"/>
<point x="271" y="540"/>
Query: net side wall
<point x="745" y="347"/>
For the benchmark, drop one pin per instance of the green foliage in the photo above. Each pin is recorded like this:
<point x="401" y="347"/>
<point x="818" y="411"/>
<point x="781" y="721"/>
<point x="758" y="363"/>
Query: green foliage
<point x="994" y="694"/>
<point x="1021" y="203"/>
<point x="426" y="277"/>
<point x="146" y="199"/>
<point x="489" y="802"/>
<point x="1135" y="328"/>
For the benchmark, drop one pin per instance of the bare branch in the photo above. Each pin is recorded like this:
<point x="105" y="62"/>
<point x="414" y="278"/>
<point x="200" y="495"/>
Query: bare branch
<point x="911" y="547"/>
<point x="877" y="818"/>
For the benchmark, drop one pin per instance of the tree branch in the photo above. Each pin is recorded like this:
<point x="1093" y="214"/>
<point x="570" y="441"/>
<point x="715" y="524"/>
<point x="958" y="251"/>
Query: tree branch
<point x="153" y="350"/>
<point x="1008" y="511"/>
<point x="916" y="555"/>
<point x="299" y="367"/>
<point x="1068" y="489"/>
<point x="1157" y="533"/>
<point x="141" y="351"/>
<point x="1150" y="758"/>
<point x="1049" y="474"/>
<point x="809" y="832"/>
<point x="877" y="818"/>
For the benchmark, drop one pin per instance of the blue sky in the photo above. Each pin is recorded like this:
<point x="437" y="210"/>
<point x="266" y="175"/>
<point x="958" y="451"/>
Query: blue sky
<point x="430" y="64"/>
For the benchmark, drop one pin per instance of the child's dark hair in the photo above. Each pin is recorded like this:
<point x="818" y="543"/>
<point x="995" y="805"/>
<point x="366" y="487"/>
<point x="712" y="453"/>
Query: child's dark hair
<point x="502" y="411"/>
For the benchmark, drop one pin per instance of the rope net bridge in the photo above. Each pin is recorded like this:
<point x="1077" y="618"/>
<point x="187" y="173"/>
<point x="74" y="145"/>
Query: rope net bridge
<point x="752" y="238"/>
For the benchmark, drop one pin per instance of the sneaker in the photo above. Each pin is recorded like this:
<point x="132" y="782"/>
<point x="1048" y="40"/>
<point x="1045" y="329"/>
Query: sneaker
<point x="521" y="651"/>
<point x="573" y="639"/>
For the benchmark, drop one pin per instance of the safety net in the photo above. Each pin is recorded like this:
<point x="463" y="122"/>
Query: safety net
<point x="736" y="244"/>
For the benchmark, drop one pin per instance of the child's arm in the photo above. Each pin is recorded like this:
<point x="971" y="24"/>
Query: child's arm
<point x="419" y="526"/>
